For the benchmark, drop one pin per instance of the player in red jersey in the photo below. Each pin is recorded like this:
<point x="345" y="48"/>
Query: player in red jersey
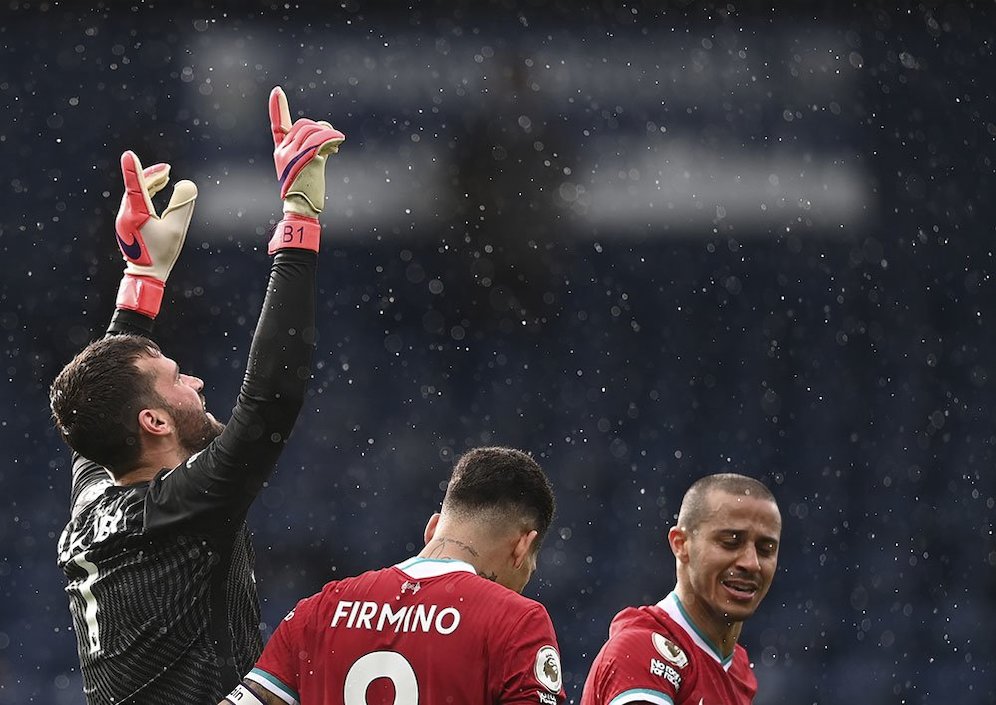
<point x="447" y="626"/>
<point x="684" y="649"/>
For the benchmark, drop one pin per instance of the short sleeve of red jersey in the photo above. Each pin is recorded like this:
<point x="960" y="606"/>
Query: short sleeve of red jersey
<point x="278" y="669"/>
<point x="632" y="668"/>
<point x="532" y="672"/>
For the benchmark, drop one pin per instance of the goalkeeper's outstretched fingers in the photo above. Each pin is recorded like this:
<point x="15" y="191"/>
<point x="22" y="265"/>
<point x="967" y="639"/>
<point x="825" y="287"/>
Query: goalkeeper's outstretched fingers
<point x="150" y="244"/>
<point x="301" y="147"/>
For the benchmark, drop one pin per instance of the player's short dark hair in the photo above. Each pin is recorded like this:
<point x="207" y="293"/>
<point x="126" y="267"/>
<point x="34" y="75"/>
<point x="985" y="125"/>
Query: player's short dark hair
<point x="96" y="398"/>
<point x="503" y="482"/>
<point x="693" y="504"/>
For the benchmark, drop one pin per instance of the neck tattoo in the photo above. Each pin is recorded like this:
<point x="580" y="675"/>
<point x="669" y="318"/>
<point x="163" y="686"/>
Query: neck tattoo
<point x="441" y="549"/>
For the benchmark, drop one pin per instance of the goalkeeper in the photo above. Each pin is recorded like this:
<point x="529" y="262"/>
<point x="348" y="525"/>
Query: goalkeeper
<point x="156" y="552"/>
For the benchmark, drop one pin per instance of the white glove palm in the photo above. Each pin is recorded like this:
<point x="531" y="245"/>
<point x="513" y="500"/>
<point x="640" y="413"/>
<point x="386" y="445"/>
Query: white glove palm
<point x="150" y="244"/>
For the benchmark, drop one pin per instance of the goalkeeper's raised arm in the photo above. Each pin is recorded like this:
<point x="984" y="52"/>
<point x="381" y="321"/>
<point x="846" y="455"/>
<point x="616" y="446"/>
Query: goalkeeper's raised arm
<point x="157" y="553"/>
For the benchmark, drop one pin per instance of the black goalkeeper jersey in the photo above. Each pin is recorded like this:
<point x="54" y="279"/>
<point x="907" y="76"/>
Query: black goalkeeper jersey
<point x="160" y="579"/>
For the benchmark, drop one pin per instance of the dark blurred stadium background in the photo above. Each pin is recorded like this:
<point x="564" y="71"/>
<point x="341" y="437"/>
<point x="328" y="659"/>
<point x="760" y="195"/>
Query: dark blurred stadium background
<point x="643" y="242"/>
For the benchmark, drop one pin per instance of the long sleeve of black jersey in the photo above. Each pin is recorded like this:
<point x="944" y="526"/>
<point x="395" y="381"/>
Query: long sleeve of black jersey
<point x="217" y="485"/>
<point x="89" y="479"/>
<point x="133" y="322"/>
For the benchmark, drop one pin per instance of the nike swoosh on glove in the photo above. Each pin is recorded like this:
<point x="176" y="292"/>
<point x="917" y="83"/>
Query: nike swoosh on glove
<point x="149" y="243"/>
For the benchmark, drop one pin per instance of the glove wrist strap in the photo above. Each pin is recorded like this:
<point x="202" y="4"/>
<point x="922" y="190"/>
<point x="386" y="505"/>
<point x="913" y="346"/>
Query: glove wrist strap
<point x="142" y="294"/>
<point x="296" y="231"/>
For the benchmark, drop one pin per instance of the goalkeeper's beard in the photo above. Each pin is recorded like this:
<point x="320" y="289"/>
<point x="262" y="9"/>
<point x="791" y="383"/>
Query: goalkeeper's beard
<point x="195" y="429"/>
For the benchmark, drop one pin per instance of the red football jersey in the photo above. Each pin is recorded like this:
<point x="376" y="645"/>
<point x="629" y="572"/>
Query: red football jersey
<point x="424" y="631"/>
<point x="656" y="655"/>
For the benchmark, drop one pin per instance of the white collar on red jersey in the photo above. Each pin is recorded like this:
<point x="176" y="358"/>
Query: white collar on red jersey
<point x="676" y="611"/>
<point x="418" y="567"/>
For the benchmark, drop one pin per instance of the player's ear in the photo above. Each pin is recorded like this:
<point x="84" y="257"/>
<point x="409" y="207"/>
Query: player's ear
<point x="155" y="422"/>
<point x="523" y="547"/>
<point x="430" y="528"/>
<point x="678" y="540"/>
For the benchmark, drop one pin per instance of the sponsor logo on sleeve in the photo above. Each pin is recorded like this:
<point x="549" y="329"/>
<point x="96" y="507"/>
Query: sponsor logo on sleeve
<point x="667" y="672"/>
<point x="669" y="650"/>
<point x="547" y="669"/>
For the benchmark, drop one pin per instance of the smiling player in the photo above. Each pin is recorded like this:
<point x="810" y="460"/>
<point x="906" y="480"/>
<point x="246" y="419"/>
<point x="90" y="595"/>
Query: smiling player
<point x="684" y="649"/>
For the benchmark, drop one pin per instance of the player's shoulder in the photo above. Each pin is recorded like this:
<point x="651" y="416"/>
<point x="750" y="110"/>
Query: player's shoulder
<point x="642" y="660"/>
<point x="491" y="605"/>
<point x="461" y="576"/>
<point x="503" y="601"/>
<point x="121" y="502"/>
<point x="648" y="630"/>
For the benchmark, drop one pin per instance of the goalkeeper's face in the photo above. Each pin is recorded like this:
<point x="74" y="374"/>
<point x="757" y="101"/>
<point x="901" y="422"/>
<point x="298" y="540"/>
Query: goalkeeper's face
<point x="195" y="427"/>
<point x="183" y="397"/>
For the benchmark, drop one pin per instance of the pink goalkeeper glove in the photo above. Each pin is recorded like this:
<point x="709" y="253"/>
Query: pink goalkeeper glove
<point x="149" y="243"/>
<point x="299" y="154"/>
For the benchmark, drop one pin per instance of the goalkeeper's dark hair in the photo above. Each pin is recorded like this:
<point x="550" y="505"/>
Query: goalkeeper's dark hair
<point x="96" y="398"/>
<point x="501" y="484"/>
<point x="694" y="506"/>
